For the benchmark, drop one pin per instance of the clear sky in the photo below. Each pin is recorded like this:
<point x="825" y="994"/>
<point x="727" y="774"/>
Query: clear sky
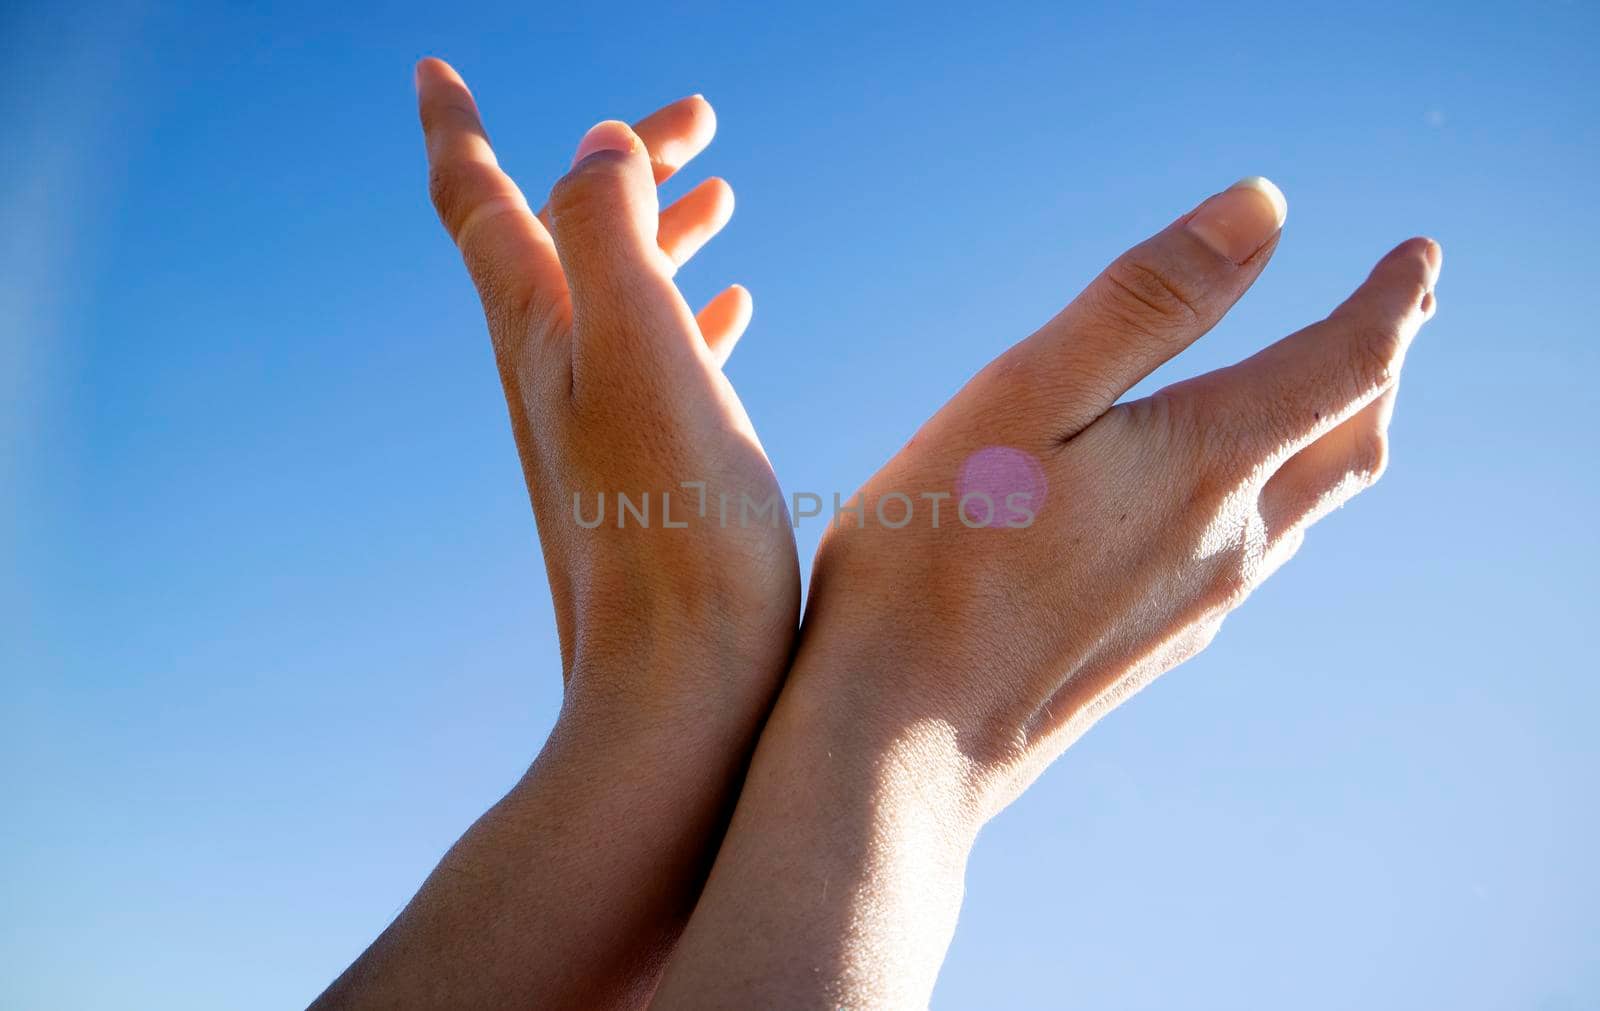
<point x="273" y="624"/>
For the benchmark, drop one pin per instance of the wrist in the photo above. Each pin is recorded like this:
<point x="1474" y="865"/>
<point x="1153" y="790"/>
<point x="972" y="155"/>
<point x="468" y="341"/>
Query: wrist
<point x="900" y="703"/>
<point x="843" y="721"/>
<point x="697" y="676"/>
<point x="848" y="832"/>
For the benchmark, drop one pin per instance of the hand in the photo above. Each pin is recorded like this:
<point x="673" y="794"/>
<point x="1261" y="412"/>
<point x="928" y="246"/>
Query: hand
<point x="615" y="387"/>
<point x="942" y="667"/>
<point x="1137" y="526"/>
<point x="675" y="628"/>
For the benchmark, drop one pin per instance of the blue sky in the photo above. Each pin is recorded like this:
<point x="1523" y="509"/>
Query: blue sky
<point x="273" y="625"/>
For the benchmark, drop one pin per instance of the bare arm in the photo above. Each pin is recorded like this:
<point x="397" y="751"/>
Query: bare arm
<point x="943" y="667"/>
<point x="570" y="891"/>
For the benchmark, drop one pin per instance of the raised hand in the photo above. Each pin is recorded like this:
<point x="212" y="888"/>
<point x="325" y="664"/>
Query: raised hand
<point x="614" y="386"/>
<point x="1082" y="547"/>
<point x="675" y="628"/>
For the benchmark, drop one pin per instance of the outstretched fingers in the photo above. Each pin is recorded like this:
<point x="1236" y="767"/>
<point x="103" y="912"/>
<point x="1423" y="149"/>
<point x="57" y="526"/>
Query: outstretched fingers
<point x="675" y="133"/>
<point x="507" y="251"/>
<point x="628" y="316"/>
<point x="724" y="320"/>
<point x="694" y="220"/>
<point x="1306" y="420"/>
<point x="1290" y="394"/>
<point x="1151" y="303"/>
<point x="671" y="137"/>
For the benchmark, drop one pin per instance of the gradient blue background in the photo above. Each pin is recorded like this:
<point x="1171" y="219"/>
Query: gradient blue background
<point x="275" y="625"/>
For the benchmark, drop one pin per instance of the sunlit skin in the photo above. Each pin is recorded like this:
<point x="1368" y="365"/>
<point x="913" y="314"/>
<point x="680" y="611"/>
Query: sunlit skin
<point x="571" y="890"/>
<point x="939" y="669"/>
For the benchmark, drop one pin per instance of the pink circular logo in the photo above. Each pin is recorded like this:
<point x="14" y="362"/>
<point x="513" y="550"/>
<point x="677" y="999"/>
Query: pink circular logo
<point x="1000" y="487"/>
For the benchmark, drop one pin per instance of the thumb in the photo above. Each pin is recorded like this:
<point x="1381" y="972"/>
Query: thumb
<point x="603" y="217"/>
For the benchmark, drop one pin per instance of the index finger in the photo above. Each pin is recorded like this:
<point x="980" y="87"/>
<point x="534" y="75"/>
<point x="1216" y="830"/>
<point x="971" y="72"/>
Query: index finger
<point x="507" y="250"/>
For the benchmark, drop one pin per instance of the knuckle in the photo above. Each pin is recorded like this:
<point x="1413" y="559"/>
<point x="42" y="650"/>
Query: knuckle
<point x="459" y="189"/>
<point x="596" y="180"/>
<point x="1149" y="300"/>
<point x="447" y="190"/>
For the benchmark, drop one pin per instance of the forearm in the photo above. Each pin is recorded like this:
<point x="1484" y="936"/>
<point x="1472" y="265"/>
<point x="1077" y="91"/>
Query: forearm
<point x="675" y="633"/>
<point x="570" y="891"/>
<point x="840" y="879"/>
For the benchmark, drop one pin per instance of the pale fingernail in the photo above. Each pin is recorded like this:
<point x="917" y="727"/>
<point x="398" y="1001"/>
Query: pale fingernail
<point x="609" y="135"/>
<point x="1435" y="255"/>
<point x="1239" y="220"/>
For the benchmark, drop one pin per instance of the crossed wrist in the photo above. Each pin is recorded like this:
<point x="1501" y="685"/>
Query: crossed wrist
<point x="845" y="721"/>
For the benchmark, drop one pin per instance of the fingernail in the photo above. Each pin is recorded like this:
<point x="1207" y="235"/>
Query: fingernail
<point x="1435" y="254"/>
<point x="1239" y="220"/>
<point x="608" y="135"/>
